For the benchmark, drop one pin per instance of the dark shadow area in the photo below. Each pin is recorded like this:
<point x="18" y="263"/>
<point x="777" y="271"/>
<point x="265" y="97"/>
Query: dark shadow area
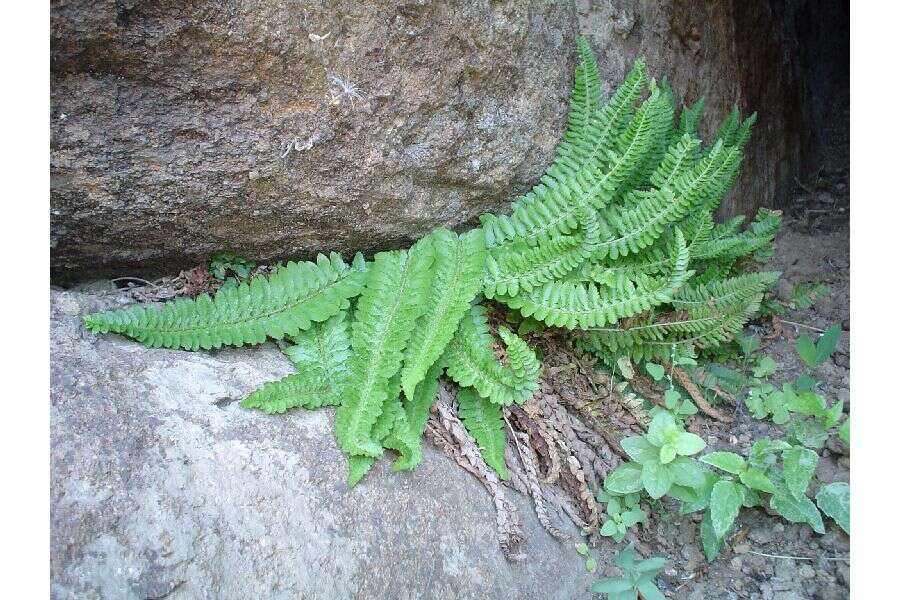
<point x="796" y="55"/>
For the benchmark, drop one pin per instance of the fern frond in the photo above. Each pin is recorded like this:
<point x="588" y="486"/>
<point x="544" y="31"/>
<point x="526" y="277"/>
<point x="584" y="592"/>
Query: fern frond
<point x="678" y="160"/>
<point x="551" y="207"/>
<point x="391" y="419"/>
<point x="407" y="440"/>
<point x="726" y="293"/>
<point x="471" y="362"/>
<point x="293" y="391"/>
<point x="458" y="269"/>
<point x="283" y="304"/>
<point x="702" y="327"/>
<point x="509" y="269"/>
<point x="690" y="117"/>
<point x="393" y="298"/>
<point x="483" y="419"/>
<point x="321" y="355"/>
<point x="584" y="305"/>
<point x="727" y="246"/>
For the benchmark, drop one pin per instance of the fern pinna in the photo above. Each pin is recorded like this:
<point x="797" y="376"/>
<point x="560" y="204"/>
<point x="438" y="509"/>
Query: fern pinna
<point x="617" y="240"/>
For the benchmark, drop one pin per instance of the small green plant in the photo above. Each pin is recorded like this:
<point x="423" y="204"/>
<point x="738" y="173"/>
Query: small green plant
<point x="816" y="353"/>
<point x="637" y="578"/>
<point x="660" y="461"/>
<point x="741" y="483"/>
<point x="227" y="262"/>
<point x="624" y="513"/>
<point x="590" y="563"/>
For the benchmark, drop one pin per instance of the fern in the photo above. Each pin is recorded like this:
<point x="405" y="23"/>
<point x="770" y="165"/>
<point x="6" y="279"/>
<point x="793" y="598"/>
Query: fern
<point x="484" y="421"/>
<point x="471" y="361"/>
<point x="458" y="267"/>
<point x="617" y="239"/>
<point x="394" y="297"/>
<point x="584" y="305"/>
<point x="511" y="269"/>
<point x="286" y="303"/>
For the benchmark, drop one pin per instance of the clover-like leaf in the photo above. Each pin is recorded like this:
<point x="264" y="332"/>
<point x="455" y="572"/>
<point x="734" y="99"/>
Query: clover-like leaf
<point x="657" y="372"/>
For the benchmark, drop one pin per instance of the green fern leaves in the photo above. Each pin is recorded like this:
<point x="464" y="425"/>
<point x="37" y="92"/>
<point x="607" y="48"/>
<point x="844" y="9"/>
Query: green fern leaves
<point x="471" y="361"/>
<point x="617" y="239"/>
<point x="484" y="421"/>
<point x="458" y="266"/>
<point x="284" y="304"/>
<point x="394" y="297"/>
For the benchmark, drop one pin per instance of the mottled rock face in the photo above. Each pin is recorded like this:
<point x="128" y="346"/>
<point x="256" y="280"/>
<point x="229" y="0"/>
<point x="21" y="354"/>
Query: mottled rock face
<point x="284" y="128"/>
<point x="161" y="482"/>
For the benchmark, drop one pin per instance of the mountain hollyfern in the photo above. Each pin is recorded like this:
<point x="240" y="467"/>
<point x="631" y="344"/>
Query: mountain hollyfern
<point x="617" y="240"/>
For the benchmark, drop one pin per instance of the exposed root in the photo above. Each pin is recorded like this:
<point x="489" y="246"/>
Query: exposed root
<point x="449" y="434"/>
<point x="684" y="380"/>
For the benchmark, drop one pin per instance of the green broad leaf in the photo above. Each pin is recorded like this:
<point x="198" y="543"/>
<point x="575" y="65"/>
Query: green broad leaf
<point x="684" y="494"/>
<point x="806" y="403"/>
<point x="650" y="565"/>
<point x="611" y="586"/>
<point x="687" y="408"/>
<point x="639" y="449"/>
<point x="724" y="506"/>
<point x="726" y="461"/>
<point x="582" y="549"/>
<point x="834" y="500"/>
<point x="751" y="498"/>
<point x="755" y="479"/>
<point x="613" y="507"/>
<point x="661" y="428"/>
<point x="650" y="592"/>
<point x="657" y="479"/>
<point x="609" y="528"/>
<point x="591" y="565"/>
<point x="809" y="433"/>
<point x="798" y="510"/>
<point x="833" y="415"/>
<point x="626" y="479"/>
<point x="708" y="539"/>
<point x="806" y="350"/>
<point x="844" y="431"/>
<point x="799" y="466"/>
<point x="632" y="517"/>
<point x="827" y="343"/>
<point x="762" y="453"/>
<point x="805" y="383"/>
<point x="688" y="472"/>
<point x="764" y="367"/>
<point x="689" y="443"/>
<point x="671" y="398"/>
<point x="625" y="559"/>
<point x="657" y="372"/>
<point x="749" y="344"/>
<point x="667" y="453"/>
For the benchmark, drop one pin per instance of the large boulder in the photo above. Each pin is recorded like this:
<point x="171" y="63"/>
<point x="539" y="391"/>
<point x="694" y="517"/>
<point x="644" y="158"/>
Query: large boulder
<point x="162" y="484"/>
<point x="280" y="129"/>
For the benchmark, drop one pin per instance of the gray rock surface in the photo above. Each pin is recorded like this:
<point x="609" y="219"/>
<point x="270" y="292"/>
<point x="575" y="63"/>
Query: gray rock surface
<point x="282" y="128"/>
<point x="162" y="486"/>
